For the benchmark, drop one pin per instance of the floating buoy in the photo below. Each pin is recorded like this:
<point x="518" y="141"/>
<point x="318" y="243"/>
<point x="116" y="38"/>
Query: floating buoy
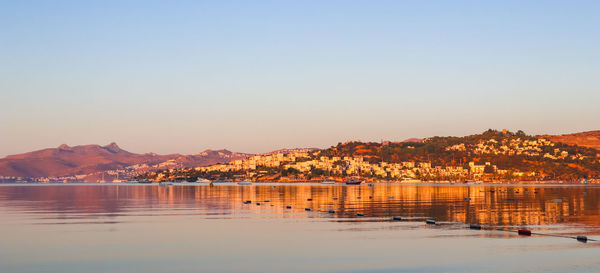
<point x="430" y="222"/>
<point x="307" y="209"/>
<point x="474" y="226"/>
<point x="258" y="204"/>
<point x="582" y="238"/>
<point x="396" y="218"/>
<point x="524" y="232"/>
<point x="331" y="211"/>
<point x="309" y="199"/>
<point x="288" y="207"/>
<point x="360" y="214"/>
<point x="467" y="198"/>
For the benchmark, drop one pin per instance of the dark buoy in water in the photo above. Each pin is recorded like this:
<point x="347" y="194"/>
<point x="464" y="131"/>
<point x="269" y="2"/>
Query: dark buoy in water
<point x="307" y="209"/>
<point x="258" y="204"/>
<point x="430" y="222"/>
<point x="288" y="207"/>
<point x="247" y="202"/>
<point x="360" y="214"/>
<point x="524" y="232"/>
<point x="474" y="226"/>
<point x="396" y="218"/>
<point x="582" y="238"/>
<point x="331" y="211"/>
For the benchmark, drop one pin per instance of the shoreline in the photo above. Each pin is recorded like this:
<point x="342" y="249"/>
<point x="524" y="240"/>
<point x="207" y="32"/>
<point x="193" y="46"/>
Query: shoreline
<point x="514" y="184"/>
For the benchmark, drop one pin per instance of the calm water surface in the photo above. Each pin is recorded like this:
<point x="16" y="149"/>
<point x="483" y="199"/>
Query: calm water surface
<point x="197" y="228"/>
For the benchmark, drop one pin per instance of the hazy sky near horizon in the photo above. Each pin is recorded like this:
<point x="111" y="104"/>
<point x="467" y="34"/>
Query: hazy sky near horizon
<point x="255" y="76"/>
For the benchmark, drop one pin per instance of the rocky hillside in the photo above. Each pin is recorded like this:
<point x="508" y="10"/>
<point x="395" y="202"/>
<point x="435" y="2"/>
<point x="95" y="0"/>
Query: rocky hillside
<point x="589" y="139"/>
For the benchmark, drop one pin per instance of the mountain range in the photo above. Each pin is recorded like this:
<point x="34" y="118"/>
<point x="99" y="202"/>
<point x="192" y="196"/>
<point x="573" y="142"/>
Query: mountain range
<point x="88" y="162"/>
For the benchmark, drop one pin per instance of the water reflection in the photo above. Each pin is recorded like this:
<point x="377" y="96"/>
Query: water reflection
<point x="488" y="205"/>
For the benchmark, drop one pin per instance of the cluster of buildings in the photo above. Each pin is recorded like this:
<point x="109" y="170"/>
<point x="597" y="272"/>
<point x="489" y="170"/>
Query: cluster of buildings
<point x="517" y="146"/>
<point x="306" y="161"/>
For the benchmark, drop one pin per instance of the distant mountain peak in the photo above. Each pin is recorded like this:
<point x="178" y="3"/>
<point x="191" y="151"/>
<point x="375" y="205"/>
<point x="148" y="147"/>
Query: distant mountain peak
<point x="413" y="140"/>
<point x="112" y="147"/>
<point x="210" y="151"/>
<point x="64" y="147"/>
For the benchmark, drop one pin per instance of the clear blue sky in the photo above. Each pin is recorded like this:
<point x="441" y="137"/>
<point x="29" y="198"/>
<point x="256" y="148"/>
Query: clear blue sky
<point x="254" y="76"/>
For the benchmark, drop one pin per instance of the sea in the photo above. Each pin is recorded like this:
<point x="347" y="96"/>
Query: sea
<point x="276" y="227"/>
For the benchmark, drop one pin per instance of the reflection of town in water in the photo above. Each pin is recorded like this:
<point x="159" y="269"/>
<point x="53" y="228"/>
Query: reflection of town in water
<point x="489" y="205"/>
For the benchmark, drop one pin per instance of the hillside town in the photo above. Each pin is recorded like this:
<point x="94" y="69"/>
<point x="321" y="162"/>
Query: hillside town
<point x="494" y="156"/>
<point x="305" y="168"/>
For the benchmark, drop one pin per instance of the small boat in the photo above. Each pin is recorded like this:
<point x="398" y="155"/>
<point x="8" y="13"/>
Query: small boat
<point x="245" y="183"/>
<point x="353" y="181"/>
<point x="474" y="226"/>
<point x="202" y="180"/>
<point x="328" y="182"/>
